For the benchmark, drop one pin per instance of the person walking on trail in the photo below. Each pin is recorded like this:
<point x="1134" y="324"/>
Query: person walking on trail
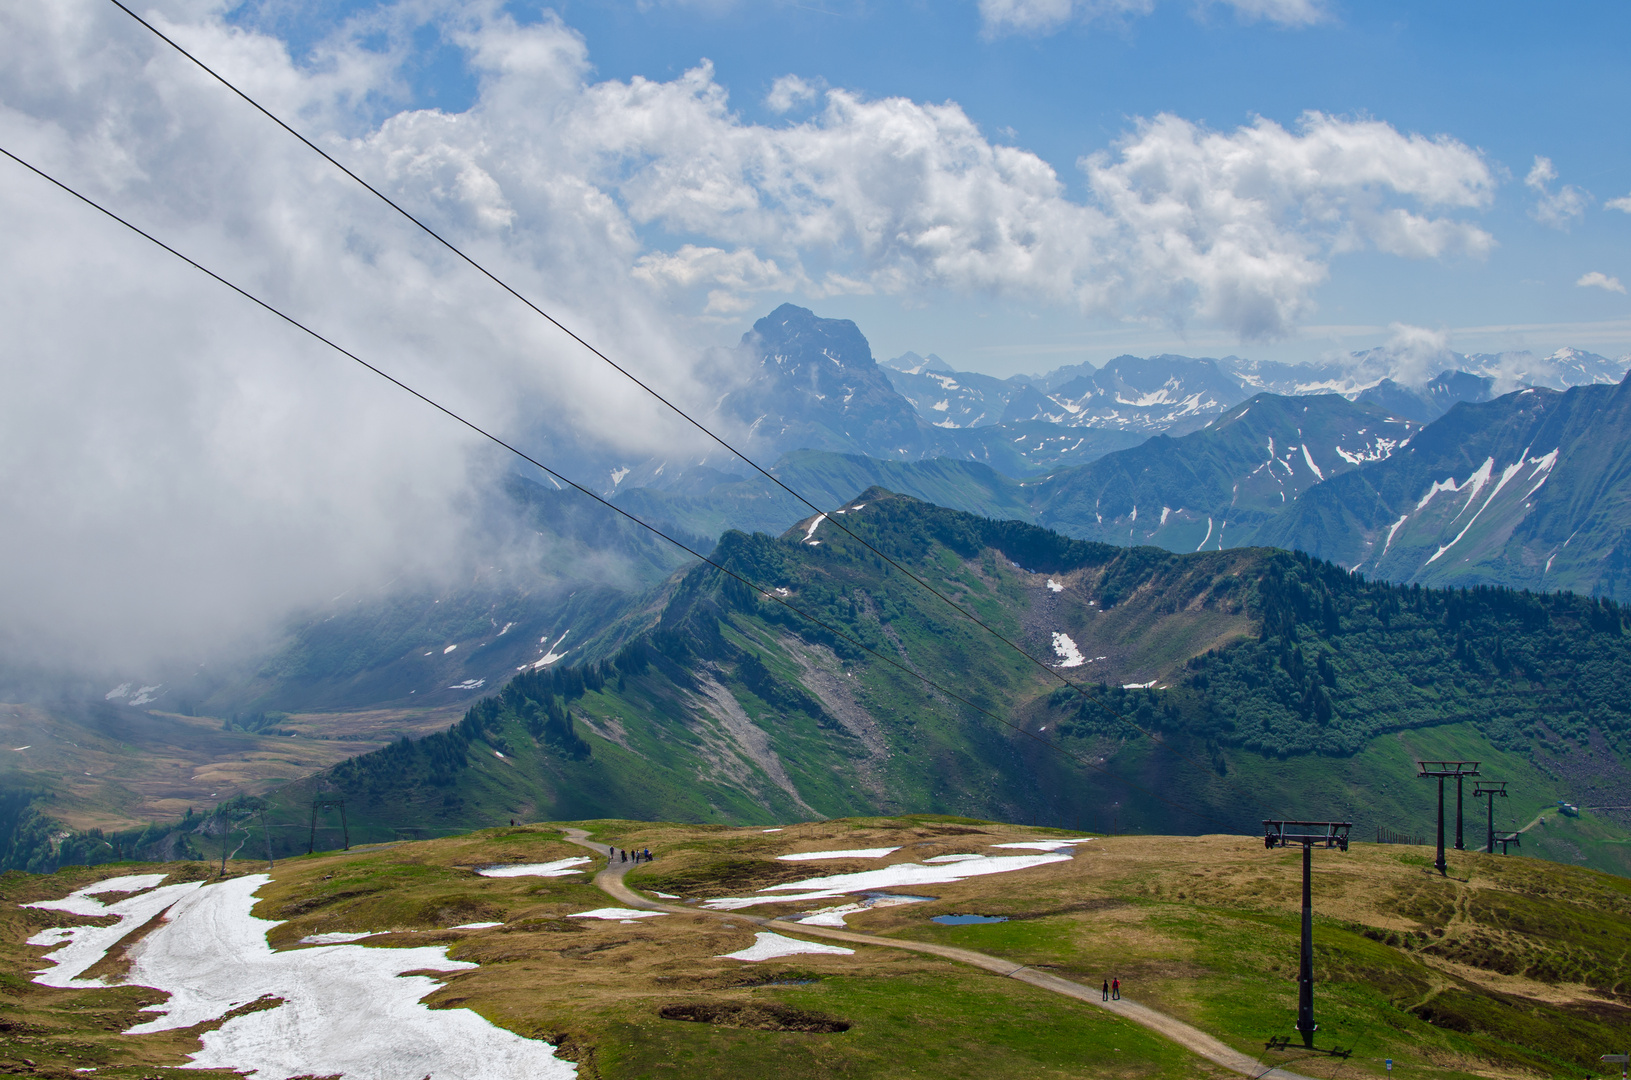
<point x="1115" y="989"/>
<point x="1107" y="990"/>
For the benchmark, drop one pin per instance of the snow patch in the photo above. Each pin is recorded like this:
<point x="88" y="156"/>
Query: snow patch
<point x="1069" y="655"/>
<point x="834" y="916"/>
<point x="818" y="519"/>
<point x="449" y="649"/>
<point x="550" y="655"/>
<point x="340" y="938"/>
<point x="1054" y="586"/>
<point x="768" y="946"/>
<point x="911" y="874"/>
<point x="343" y="1009"/>
<point x="558" y="868"/>
<point x="83" y="946"/>
<point x="618" y="913"/>
<point x="476" y="925"/>
<point x="144" y="694"/>
<point x="1139" y="685"/>
<point x="852" y="853"/>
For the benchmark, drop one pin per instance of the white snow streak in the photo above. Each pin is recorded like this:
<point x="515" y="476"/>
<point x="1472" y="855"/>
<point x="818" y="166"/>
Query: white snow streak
<point x="852" y="853"/>
<point x="558" y="868"/>
<point x="1393" y="530"/>
<point x="1506" y="474"/>
<point x="1310" y="459"/>
<point x="911" y="874"/>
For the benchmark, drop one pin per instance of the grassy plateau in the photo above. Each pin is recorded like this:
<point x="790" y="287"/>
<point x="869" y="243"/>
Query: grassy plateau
<point x="1508" y="967"/>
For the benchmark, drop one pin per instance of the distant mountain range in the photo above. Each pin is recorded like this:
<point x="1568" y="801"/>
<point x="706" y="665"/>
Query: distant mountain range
<point x="1176" y="394"/>
<point x="1437" y="484"/>
<point x="1181" y="452"/>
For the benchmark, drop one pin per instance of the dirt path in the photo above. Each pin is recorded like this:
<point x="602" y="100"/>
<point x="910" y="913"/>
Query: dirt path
<point x="610" y="881"/>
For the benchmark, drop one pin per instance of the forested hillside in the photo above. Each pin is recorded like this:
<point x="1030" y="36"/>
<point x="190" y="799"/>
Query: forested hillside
<point x="1211" y="690"/>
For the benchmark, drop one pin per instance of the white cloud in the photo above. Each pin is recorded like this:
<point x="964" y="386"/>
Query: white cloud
<point x="789" y="92"/>
<point x="1040" y="17"/>
<point x="1557" y="208"/>
<point x="1237" y="229"/>
<point x="1283" y="12"/>
<point x="1027" y="16"/>
<point x="1623" y="203"/>
<point x="1596" y="279"/>
<point x="1414" y="354"/>
<point x="172" y="463"/>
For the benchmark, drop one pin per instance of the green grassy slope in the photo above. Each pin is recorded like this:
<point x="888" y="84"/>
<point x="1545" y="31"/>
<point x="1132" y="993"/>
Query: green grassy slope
<point x="1214" y="690"/>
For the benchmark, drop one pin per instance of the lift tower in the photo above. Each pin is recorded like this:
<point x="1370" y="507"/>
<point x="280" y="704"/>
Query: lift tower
<point x="1442" y="771"/>
<point x="1310" y="834"/>
<point x="1490" y="790"/>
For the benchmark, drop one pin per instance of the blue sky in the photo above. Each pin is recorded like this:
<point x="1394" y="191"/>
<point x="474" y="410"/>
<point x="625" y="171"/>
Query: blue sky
<point x="1511" y="81"/>
<point x="1012" y="184"/>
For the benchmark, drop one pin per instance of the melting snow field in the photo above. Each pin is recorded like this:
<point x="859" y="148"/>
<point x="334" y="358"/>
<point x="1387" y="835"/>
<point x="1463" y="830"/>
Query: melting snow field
<point x="558" y="868"/>
<point x="1045" y="845"/>
<point x="834" y="916"/>
<point x="341" y="1009"/>
<point x="1069" y="655"/>
<point x="930" y="872"/>
<point x="768" y="946"/>
<point x="338" y="938"/>
<point x="622" y="914"/>
<point x="852" y="853"/>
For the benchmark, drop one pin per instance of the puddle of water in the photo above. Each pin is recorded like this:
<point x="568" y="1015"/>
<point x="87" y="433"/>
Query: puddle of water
<point x="965" y="920"/>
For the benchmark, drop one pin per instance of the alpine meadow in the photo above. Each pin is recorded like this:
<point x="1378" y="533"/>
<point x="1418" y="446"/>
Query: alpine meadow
<point x="618" y="540"/>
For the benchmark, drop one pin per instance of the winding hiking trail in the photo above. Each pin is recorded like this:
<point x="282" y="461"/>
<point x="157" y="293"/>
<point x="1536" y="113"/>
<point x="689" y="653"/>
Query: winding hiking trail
<point x="610" y="881"/>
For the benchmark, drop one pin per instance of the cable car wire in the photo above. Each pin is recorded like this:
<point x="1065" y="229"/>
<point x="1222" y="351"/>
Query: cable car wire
<point x="1086" y="690"/>
<point x="762" y="590"/>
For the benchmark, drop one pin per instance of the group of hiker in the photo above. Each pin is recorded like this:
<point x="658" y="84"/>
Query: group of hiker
<point x="638" y="855"/>
<point x="1112" y="990"/>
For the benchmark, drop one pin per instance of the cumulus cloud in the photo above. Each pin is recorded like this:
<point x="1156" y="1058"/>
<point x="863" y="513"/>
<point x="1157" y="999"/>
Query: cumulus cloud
<point x="789" y="92"/>
<point x="1038" y="17"/>
<point x="175" y="468"/>
<point x="1414" y="354"/>
<point x="1559" y="208"/>
<point x="1623" y="204"/>
<point x="1596" y="279"/>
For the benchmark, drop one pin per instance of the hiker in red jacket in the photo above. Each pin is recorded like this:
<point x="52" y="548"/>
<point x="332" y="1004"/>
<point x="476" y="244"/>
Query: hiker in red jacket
<point x="1115" y="989"/>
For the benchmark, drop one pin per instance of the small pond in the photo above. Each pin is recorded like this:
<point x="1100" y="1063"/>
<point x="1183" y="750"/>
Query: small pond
<point x="965" y="920"/>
